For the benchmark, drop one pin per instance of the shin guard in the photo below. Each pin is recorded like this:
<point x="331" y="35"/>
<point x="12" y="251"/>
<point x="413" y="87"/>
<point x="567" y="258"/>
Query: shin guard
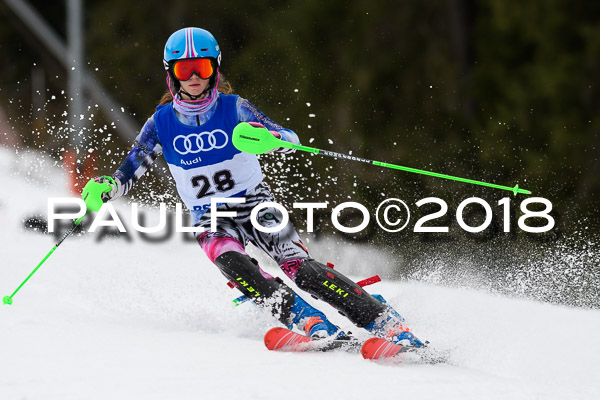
<point x="347" y="297"/>
<point x="267" y="292"/>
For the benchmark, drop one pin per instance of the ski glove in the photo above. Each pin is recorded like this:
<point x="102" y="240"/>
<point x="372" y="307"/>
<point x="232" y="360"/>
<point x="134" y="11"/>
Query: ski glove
<point x="98" y="191"/>
<point x="277" y="135"/>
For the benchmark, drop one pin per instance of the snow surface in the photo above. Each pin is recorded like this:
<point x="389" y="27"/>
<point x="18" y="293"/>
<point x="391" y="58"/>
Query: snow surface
<point x="113" y="319"/>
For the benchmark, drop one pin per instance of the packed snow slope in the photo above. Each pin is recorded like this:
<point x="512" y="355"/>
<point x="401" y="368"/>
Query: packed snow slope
<point x="117" y="319"/>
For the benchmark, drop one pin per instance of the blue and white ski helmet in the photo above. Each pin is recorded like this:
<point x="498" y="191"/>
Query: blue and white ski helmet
<point x="191" y="43"/>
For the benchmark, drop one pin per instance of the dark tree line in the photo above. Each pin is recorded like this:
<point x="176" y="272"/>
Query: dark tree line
<point x="506" y="92"/>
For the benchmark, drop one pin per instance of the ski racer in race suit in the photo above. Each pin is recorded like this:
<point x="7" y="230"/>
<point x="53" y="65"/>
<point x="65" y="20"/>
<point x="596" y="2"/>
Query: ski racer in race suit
<point x="192" y="128"/>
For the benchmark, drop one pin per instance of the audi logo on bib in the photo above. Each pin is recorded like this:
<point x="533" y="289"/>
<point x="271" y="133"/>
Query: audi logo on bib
<point x="197" y="142"/>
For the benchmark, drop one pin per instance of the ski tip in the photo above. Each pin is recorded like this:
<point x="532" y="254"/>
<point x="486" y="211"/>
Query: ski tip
<point x="270" y="337"/>
<point x="376" y="348"/>
<point x="284" y="339"/>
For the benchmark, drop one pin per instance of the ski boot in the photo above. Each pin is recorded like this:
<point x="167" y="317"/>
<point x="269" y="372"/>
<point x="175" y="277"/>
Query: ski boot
<point x="313" y="322"/>
<point x="389" y="325"/>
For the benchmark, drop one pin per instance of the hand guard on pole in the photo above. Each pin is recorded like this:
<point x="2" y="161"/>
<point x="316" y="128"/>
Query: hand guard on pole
<point x="98" y="191"/>
<point x="276" y="135"/>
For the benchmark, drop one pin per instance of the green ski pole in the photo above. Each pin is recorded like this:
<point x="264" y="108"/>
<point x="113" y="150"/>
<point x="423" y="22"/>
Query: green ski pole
<point x="9" y="299"/>
<point x="258" y="141"/>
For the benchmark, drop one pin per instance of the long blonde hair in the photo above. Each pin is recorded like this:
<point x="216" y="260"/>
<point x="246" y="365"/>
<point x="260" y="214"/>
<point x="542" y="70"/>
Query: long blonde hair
<point x="224" y="87"/>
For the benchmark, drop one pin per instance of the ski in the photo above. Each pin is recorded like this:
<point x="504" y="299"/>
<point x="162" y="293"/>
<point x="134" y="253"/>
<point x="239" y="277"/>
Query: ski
<point x="384" y="350"/>
<point x="377" y="348"/>
<point x="282" y="339"/>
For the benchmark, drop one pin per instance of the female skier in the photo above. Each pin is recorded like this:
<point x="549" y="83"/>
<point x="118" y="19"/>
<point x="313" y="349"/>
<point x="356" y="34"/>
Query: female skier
<point x="192" y="127"/>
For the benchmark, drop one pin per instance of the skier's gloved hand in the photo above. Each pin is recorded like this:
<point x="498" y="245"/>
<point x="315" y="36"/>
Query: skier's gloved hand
<point x="97" y="191"/>
<point x="259" y="125"/>
<point x="284" y="150"/>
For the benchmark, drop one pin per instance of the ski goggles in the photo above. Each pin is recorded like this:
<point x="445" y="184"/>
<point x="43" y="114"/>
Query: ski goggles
<point x="184" y="69"/>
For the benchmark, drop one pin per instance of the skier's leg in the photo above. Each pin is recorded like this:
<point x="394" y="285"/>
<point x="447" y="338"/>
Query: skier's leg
<point x="281" y="245"/>
<point x="333" y="287"/>
<point x="268" y="292"/>
<point x="349" y="299"/>
<point x="286" y="248"/>
<point x="324" y="283"/>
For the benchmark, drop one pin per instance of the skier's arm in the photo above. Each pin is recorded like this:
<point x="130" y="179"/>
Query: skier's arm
<point x="145" y="150"/>
<point x="247" y="112"/>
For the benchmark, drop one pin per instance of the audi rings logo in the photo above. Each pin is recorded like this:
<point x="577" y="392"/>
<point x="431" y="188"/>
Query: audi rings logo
<point x="197" y="142"/>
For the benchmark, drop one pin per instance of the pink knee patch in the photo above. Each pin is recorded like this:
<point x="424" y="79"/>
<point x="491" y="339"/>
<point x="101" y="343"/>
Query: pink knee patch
<point x="214" y="246"/>
<point x="290" y="267"/>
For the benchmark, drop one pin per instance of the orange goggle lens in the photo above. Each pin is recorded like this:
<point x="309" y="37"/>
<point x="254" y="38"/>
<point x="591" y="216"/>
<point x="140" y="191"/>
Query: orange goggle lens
<point x="184" y="69"/>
